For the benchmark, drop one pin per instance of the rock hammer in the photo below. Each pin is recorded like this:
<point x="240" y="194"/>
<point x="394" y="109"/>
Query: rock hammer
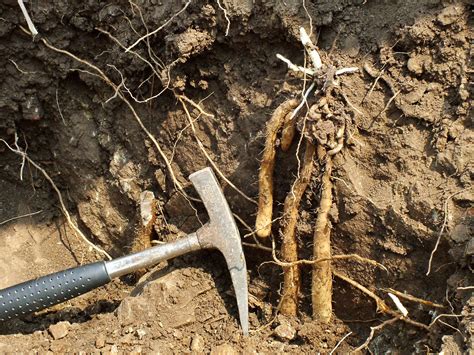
<point x="219" y="233"/>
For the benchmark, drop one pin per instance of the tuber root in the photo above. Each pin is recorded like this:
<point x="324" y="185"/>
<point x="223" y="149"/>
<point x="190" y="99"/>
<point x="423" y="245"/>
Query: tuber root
<point x="289" y="248"/>
<point x="263" y="223"/>
<point x="321" y="288"/>
<point x="288" y="132"/>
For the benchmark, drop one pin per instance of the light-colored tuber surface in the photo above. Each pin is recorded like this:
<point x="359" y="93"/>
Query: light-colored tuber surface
<point x="289" y="248"/>
<point x="263" y="223"/>
<point x="321" y="288"/>
<point x="288" y="132"/>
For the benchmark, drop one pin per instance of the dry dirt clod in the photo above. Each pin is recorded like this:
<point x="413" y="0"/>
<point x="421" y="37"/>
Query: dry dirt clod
<point x="416" y="64"/>
<point x="351" y="46"/>
<point x="100" y="341"/>
<point x="140" y="333"/>
<point x="450" y="14"/>
<point x="469" y="250"/>
<point x="59" y="330"/>
<point x="224" y="349"/>
<point x="197" y="344"/>
<point x="190" y="42"/>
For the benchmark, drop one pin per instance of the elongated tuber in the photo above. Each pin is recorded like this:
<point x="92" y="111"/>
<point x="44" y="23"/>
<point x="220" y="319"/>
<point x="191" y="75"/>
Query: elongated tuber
<point x="289" y="248"/>
<point x="321" y="288"/>
<point x="263" y="223"/>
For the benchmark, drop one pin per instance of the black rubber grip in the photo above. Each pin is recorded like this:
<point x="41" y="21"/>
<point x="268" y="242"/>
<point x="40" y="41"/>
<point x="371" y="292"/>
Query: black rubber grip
<point x="34" y="295"/>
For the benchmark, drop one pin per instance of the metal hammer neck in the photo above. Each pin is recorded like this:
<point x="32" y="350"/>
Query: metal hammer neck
<point x="130" y="263"/>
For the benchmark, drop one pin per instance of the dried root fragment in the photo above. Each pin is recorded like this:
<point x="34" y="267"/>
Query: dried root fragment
<point x="289" y="248"/>
<point x="143" y="239"/>
<point x="321" y="292"/>
<point x="147" y="220"/>
<point x="263" y="223"/>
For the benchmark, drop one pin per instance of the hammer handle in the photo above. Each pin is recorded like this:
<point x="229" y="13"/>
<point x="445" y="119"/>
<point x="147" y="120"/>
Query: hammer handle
<point x="37" y="294"/>
<point x="61" y="286"/>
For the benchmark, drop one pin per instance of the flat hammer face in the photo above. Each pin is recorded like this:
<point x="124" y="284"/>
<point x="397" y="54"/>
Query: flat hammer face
<point x="221" y="233"/>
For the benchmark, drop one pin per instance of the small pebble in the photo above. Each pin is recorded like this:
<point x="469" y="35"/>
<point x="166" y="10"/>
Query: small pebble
<point x="285" y="332"/>
<point x="415" y="64"/>
<point x="140" y="333"/>
<point x="32" y="109"/>
<point x="59" y="330"/>
<point x="450" y="14"/>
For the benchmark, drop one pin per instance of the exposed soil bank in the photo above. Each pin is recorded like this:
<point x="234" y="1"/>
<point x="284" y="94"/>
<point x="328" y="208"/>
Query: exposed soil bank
<point x="404" y="177"/>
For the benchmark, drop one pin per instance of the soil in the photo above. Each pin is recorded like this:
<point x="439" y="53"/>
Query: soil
<point x="404" y="179"/>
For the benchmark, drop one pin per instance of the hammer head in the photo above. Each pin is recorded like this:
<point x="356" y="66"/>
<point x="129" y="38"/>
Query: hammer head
<point x="221" y="233"/>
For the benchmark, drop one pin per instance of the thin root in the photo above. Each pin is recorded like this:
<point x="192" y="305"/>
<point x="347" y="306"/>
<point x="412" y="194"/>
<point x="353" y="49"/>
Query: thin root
<point x="159" y="28"/>
<point x="340" y="342"/>
<point x="381" y="305"/>
<point x="26" y="215"/>
<point x="60" y="197"/>
<point x="206" y="154"/>
<point x="354" y="257"/>
<point x="226" y="17"/>
<point x="31" y="25"/>
<point x="59" y="108"/>
<point x="411" y="298"/>
<point x="106" y="79"/>
<point x="372" y="332"/>
<point x="445" y="221"/>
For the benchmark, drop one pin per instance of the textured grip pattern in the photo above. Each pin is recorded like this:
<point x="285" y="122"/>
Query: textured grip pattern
<point x="49" y="290"/>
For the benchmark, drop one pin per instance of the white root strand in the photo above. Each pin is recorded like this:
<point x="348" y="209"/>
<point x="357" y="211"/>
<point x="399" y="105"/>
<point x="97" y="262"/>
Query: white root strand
<point x="399" y="304"/>
<point x="310" y="49"/>
<point x="305" y="98"/>
<point x="31" y="25"/>
<point x="226" y="17"/>
<point x="159" y="28"/>
<point x="348" y="70"/>
<point x="295" y="67"/>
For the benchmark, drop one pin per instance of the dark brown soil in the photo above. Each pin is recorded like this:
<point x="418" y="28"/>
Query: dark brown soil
<point x="405" y="177"/>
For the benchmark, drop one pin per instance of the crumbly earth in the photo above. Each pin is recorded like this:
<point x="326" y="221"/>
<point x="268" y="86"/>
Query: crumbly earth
<point x="403" y="177"/>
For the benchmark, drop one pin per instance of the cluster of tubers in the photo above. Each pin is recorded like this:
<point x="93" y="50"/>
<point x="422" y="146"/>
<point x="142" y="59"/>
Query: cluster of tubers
<point x="323" y="148"/>
<point x="323" y="133"/>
